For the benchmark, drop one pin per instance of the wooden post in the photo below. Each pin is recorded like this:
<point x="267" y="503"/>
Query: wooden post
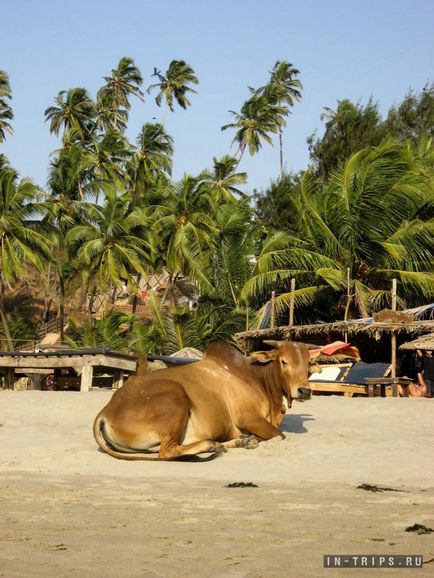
<point x="393" y="340"/>
<point x="291" y="303"/>
<point x="273" y="297"/>
<point x="347" y="307"/>
<point x="118" y="379"/>
<point x="86" y="378"/>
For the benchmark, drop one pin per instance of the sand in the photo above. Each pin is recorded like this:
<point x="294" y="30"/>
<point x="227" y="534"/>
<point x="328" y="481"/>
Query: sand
<point x="69" y="510"/>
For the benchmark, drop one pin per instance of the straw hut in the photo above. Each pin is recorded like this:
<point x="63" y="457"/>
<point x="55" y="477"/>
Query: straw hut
<point x="422" y="343"/>
<point x="373" y="336"/>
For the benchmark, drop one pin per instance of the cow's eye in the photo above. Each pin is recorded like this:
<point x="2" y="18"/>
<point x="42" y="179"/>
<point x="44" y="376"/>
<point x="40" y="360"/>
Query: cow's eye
<point x="284" y="362"/>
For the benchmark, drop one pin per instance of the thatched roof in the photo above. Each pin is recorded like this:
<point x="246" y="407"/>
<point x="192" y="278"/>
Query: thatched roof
<point x="368" y="328"/>
<point x="423" y="342"/>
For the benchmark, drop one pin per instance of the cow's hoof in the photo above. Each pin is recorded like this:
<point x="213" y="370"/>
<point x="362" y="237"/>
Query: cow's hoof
<point x="248" y="442"/>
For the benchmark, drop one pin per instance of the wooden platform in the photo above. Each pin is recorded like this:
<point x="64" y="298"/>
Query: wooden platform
<point x="83" y="361"/>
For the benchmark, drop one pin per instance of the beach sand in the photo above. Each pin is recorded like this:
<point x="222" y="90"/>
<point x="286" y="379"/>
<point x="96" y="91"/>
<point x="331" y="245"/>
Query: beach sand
<point x="69" y="510"/>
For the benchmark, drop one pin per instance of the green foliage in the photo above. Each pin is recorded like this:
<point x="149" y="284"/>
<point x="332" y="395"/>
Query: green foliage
<point x="150" y="160"/>
<point x="112" y="242"/>
<point x="175" y="84"/>
<point x="174" y="328"/>
<point x="373" y="217"/>
<point x="413" y="118"/>
<point x="74" y="114"/>
<point x="113" y="215"/>
<point x="258" y="119"/>
<point x="113" y="99"/>
<point x="6" y="113"/>
<point x="348" y="129"/>
<point x="274" y="206"/>
<point x="111" y="332"/>
<point x="352" y="127"/>
<point x="22" y="243"/>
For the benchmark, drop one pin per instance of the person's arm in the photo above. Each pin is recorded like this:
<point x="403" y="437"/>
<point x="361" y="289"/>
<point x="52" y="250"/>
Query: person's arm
<point x="420" y="379"/>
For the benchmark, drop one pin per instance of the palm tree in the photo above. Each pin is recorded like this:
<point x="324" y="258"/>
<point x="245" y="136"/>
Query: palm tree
<point x="70" y="173"/>
<point x="257" y="119"/>
<point x="152" y="157"/>
<point x="68" y="183"/>
<point x="174" y="85"/>
<point x="6" y="113"/>
<point x="108" y="117"/>
<point x="223" y="180"/>
<point x="110" y="331"/>
<point x="235" y="244"/>
<point x="113" y="98"/>
<point x="186" y="229"/>
<point x="107" y="155"/>
<point x="283" y="88"/>
<point x="375" y="218"/>
<point x="113" y="243"/>
<point x="21" y="242"/>
<point x="74" y="113"/>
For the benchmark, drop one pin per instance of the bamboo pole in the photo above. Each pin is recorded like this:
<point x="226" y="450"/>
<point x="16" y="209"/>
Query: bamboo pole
<point x="291" y="303"/>
<point x="273" y="299"/>
<point x="347" y="308"/>
<point x="393" y="339"/>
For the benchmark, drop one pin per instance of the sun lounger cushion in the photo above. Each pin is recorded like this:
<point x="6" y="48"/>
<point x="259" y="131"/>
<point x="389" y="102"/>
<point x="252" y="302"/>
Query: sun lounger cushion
<point x="360" y="371"/>
<point x="332" y="373"/>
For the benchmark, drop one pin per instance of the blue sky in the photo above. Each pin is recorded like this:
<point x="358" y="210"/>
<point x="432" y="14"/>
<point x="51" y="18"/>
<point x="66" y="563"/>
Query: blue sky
<point x="343" y="49"/>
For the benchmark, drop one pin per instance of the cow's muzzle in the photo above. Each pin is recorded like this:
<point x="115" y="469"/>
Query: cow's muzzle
<point x="304" y="393"/>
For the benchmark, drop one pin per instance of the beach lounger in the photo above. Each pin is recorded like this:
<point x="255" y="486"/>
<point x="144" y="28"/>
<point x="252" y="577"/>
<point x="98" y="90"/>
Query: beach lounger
<point x="350" y="379"/>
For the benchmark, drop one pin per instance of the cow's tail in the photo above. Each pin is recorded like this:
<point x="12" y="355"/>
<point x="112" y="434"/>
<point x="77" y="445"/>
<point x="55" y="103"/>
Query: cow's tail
<point x="106" y="445"/>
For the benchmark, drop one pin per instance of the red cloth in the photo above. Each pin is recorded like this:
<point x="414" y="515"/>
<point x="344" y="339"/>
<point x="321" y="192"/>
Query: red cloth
<point x="336" y="347"/>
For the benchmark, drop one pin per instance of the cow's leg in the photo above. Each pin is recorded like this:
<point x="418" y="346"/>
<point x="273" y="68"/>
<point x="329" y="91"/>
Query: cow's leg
<point x="246" y="441"/>
<point x="171" y="448"/>
<point x="262" y="428"/>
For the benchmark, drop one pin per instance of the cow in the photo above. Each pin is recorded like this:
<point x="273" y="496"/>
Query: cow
<point x="226" y="400"/>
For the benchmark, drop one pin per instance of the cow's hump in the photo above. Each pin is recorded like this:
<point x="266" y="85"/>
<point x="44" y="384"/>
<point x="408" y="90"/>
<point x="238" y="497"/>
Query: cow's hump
<point x="222" y="352"/>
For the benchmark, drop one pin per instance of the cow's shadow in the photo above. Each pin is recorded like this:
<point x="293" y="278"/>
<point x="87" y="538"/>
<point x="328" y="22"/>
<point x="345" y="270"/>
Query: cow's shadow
<point x="294" y="422"/>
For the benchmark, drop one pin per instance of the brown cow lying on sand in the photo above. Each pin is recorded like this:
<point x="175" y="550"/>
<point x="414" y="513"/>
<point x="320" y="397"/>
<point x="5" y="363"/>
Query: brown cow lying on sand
<point x="226" y="400"/>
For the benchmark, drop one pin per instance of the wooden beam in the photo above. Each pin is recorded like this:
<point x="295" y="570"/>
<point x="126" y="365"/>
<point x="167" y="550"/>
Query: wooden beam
<point x="393" y="339"/>
<point x="64" y="361"/>
<point x="33" y="370"/>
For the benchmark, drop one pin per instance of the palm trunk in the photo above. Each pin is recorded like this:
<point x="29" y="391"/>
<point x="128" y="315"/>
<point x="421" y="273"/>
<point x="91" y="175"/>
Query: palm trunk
<point x="91" y="302"/>
<point x="82" y="302"/>
<point x="240" y="151"/>
<point x="164" y="115"/>
<point x="281" y="151"/>
<point x="4" y="319"/>
<point x="170" y="285"/>
<point x="47" y="299"/>
<point x="110" y="300"/>
<point x="234" y="297"/>
<point x="135" y="297"/>
<point x="61" y="305"/>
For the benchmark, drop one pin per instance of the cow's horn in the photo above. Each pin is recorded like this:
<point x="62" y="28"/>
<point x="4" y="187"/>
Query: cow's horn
<point x="272" y="342"/>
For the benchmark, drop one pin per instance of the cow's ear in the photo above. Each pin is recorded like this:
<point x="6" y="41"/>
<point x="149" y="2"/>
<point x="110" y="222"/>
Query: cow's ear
<point x="262" y="357"/>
